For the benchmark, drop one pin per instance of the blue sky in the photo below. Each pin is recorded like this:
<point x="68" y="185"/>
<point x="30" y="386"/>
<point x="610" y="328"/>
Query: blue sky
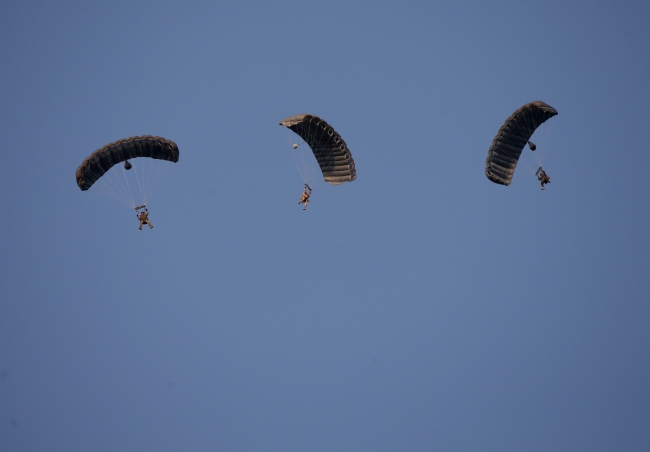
<point x="420" y="307"/>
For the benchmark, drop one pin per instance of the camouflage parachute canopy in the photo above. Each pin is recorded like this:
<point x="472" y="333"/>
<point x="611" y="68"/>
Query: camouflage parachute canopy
<point x="103" y="159"/>
<point x="512" y="137"/>
<point x="330" y="150"/>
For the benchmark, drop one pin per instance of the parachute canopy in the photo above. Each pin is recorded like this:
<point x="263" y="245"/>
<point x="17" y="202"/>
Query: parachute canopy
<point x="100" y="161"/>
<point x="331" y="152"/>
<point x="512" y="137"/>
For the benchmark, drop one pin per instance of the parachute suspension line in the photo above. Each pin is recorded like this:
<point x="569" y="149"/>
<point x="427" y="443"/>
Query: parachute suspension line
<point x="312" y="163"/>
<point x="528" y="166"/>
<point x="322" y="136"/>
<point x="545" y="133"/>
<point x="126" y="179"/>
<point x="303" y="155"/>
<point x="111" y="184"/>
<point x="537" y="156"/>
<point x="101" y="189"/>
<point x="539" y="115"/>
<point x="541" y="133"/>
<point x="304" y="161"/>
<point x="162" y="168"/>
<point x="328" y="137"/>
<point x="523" y="134"/>
<point x="146" y="175"/>
<point x="135" y="168"/>
<point x="154" y="168"/>
<point x="540" y="149"/>
<point x="296" y="151"/>
<point x="117" y="185"/>
<point x="114" y="180"/>
<point x="306" y="164"/>
<point x="530" y="128"/>
<point x="144" y="185"/>
<point x="146" y="179"/>
<point x="316" y="175"/>
<point x="150" y="175"/>
<point x="110" y="189"/>
<point x="158" y="169"/>
<point x="114" y="176"/>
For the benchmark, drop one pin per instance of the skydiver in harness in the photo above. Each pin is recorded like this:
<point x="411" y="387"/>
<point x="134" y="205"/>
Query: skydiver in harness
<point x="542" y="177"/>
<point x="143" y="217"/>
<point x="304" y="199"/>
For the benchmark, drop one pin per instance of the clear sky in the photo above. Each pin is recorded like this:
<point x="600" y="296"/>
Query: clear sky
<point x="418" y="308"/>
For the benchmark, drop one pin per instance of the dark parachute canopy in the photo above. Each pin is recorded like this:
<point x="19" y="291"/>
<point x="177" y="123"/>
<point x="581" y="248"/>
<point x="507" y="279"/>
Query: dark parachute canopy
<point x="512" y="137"/>
<point x="331" y="152"/>
<point x="100" y="161"/>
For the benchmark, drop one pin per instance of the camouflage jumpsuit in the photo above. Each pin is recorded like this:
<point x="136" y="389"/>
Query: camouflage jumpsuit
<point x="144" y="219"/>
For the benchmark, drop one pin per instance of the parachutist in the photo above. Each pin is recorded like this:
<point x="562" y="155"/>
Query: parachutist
<point x="543" y="177"/>
<point x="127" y="165"/>
<point x="332" y="154"/>
<point x="509" y="142"/>
<point x="144" y="219"/>
<point x="304" y="199"/>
